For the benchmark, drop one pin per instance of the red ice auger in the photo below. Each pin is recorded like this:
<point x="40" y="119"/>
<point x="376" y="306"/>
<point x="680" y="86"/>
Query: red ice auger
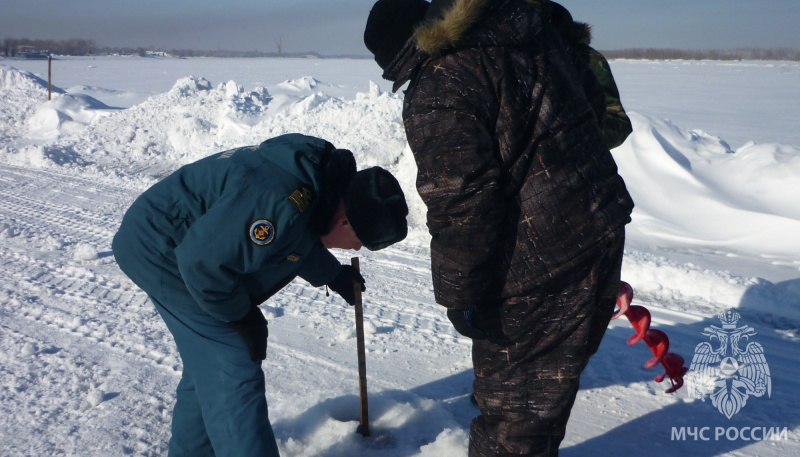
<point x="656" y="340"/>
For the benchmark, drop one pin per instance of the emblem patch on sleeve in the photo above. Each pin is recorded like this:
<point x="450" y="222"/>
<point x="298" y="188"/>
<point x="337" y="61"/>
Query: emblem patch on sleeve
<point x="301" y="198"/>
<point x="262" y="232"/>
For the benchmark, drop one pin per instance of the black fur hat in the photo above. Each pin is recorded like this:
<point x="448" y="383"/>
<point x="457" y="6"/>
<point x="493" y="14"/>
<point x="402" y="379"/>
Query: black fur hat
<point x="376" y="208"/>
<point x="563" y="23"/>
<point x="389" y="25"/>
<point x="338" y="169"/>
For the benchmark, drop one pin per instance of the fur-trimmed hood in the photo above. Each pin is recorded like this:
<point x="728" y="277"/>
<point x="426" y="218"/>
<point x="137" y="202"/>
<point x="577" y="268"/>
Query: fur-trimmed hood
<point x="450" y="24"/>
<point x="446" y="23"/>
<point x="573" y="32"/>
<point x="584" y="33"/>
<point x="454" y="24"/>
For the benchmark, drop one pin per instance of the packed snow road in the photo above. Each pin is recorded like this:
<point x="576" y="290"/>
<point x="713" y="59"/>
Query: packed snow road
<point x="76" y="333"/>
<point x="73" y="333"/>
<point x="89" y="368"/>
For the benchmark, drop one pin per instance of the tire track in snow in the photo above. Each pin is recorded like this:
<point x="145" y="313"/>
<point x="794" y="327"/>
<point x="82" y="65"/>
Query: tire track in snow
<point x="57" y="290"/>
<point x="57" y="297"/>
<point x="79" y="341"/>
<point x="68" y="391"/>
<point x="73" y="209"/>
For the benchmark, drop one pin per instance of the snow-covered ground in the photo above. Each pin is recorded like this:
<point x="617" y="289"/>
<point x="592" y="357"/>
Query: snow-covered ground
<point x="88" y="369"/>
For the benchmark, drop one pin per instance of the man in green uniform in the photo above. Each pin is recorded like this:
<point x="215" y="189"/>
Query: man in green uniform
<point x="217" y="238"/>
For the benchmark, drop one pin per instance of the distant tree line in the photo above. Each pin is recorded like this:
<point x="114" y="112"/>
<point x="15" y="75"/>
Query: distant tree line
<point x="72" y="47"/>
<point x="12" y="47"/>
<point x="224" y="53"/>
<point x="82" y="47"/>
<point x="792" y="54"/>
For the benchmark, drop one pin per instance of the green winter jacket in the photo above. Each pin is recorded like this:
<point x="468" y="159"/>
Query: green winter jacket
<point x="614" y="122"/>
<point x="223" y="234"/>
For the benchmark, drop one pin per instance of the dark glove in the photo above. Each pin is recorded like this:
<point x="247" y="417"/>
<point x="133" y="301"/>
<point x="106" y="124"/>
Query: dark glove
<point x="342" y="284"/>
<point x="478" y="325"/>
<point x="253" y="330"/>
<point x="463" y="321"/>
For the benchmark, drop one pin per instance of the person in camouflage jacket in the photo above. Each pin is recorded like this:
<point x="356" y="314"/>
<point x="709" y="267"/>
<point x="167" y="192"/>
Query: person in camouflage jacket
<point x="526" y="209"/>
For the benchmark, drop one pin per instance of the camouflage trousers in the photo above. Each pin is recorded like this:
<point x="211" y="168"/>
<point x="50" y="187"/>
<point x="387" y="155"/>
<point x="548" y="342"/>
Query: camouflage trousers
<point x="525" y="391"/>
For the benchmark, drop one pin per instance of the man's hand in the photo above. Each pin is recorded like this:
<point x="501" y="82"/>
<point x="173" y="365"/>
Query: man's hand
<point x="478" y="325"/>
<point x="253" y="330"/>
<point x="463" y="322"/>
<point x="342" y="284"/>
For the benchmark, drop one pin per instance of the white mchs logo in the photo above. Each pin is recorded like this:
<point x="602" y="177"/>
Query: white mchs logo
<point x="728" y="374"/>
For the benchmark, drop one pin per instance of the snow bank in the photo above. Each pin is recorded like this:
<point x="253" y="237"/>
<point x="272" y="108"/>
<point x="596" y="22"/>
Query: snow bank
<point x="692" y="191"/>
<point x="194" y="119"/>
<point x="21" y="93"/>
<point x="67" y="114"/>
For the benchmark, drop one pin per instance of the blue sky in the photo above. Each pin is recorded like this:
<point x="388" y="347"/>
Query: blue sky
<point x="336" y="27"/>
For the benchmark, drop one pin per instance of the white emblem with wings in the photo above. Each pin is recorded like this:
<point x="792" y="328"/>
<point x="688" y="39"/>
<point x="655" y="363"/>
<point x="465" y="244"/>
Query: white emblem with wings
<point x="728" y="374"/>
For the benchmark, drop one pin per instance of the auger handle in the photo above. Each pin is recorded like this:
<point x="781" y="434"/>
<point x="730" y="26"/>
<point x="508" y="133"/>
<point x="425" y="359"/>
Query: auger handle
<point x="363" y="427"/>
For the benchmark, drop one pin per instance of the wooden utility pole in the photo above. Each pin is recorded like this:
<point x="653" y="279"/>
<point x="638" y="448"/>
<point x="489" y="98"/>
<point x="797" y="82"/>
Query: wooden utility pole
<point x="49" y="77"/>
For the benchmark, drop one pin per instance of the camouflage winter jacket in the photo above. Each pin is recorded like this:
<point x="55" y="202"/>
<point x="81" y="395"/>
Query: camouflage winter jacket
<point x="616" y="124"/>
<point x="510" y="162"/>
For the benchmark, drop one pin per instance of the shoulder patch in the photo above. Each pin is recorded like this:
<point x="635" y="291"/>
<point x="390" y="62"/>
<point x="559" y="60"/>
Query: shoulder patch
<point x="301" y="198"/>
<point x="226" y="154"/>
<point x="262" y="232"/>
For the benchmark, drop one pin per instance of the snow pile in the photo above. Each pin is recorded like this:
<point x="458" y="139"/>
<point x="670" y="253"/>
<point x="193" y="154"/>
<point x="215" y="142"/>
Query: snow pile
<point x="690" y="189"/>
<point x="20" y="94"/>
<point x="66" y="114"/>
<point x="193" y="120"/>
<point x="304" y="84"/>
<point x="182" y="125"/>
